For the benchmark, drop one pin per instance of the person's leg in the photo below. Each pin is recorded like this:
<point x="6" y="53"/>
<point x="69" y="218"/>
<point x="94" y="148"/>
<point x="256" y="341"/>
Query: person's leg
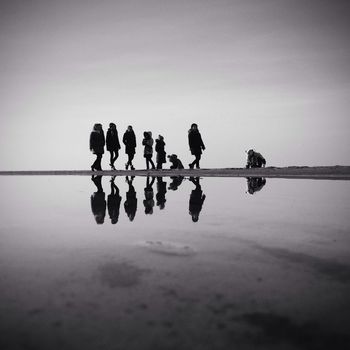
<point x="191" y="165"/>
<point x="196" y="161"/>
<point x="97" y="162"/>
<point x="159" y="165"/>
<point x="116" y="155"/>
<point x="111" y="158"/>
<point x="131" y="157"/>
<point x="147" y="162"/>
<point x="150" y="159"/>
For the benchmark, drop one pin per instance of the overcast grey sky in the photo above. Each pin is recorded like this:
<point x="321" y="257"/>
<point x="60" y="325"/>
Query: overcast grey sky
<point x="273" y="75"/>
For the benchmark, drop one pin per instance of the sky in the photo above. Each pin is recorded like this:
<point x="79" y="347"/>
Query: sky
<point x="273" y="75"/>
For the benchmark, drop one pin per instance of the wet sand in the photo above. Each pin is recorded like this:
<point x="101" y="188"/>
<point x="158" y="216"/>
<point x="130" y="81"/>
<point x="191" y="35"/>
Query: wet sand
<point x="336" y="172"/>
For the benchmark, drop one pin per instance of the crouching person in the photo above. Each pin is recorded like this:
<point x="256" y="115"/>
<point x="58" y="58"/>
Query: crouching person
<point x="175" y="162"/>
<point x="255" y="160"/>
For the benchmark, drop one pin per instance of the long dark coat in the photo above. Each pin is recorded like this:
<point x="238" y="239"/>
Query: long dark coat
<point x="195" y="142"/>
<point x="129" y="140"/>
<point x="161" y="154"/>
<point x="97" y="142"/>
<point x="112" y="140"/>
<point x="148" y="143"/>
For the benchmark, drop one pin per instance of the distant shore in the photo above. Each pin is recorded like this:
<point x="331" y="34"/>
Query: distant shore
<point x="336" y="172"/>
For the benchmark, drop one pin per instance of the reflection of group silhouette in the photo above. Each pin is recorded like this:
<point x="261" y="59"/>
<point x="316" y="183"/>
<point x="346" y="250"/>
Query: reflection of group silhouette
<point x="196" y="200"/>
<point x="98" y="201"/>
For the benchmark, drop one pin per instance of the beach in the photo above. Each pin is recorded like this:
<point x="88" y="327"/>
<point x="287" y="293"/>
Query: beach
<point x="336" y="172"/>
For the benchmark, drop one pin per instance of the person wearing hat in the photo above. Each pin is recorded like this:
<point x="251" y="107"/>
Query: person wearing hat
<point x="196" y="145"/>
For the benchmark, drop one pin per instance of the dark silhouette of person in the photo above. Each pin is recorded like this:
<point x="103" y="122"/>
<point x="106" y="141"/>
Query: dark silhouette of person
<point x="196" y="145"/>
<point x="129" y="140"/>
<point x="175" y="162"/>
<point x="160" y="149"/>
<point x="149" y="195"/>
<point x="97" y="143"/>
<point x="113" y="202"/>
<point x="176" y="182"/>
<point x="98" y="201"/>
<point x="112" y="143"/>
<point x="148" y="150"/>
<point x="255" y="160"/>
<point x="161" y="191"/>
<point x="255" y="184"/>
<point x="196" y="199"/>
<point x="130" y="204"/>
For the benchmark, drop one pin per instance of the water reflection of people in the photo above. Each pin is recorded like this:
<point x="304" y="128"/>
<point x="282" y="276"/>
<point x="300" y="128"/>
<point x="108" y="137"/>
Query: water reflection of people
<point x="161" y="191"/>
<point x="113" y="202"/>
<point x="255" y="184"/>
<point x="196" y="199"/>
<point x="130" y="204"/>
<point x="149" y="195"/>
<point x="176" y="182"/>
<point x="98" y="201"/>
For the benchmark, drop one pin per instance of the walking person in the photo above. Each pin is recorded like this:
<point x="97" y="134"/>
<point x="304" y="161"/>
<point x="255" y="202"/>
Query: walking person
<point x="129" y="140"/>
<point x="112" y="143"/>
<point x="196" y="145"/>
<point x="148" y="151"/>
<point x="161" y="154"/>
<point x="97" y="143"/>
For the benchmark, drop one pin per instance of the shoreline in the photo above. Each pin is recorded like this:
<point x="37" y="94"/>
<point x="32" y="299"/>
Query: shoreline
<point x="336" y="172"/>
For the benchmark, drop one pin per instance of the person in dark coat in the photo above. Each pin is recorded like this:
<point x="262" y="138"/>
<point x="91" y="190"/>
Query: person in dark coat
<point x="98" y="201"/>
<point x="196" y="199"/>
<point x="97" y="143"/>
<point x="112" y="143"/>
<point x="149" y="195"/>
<point x="161" y="154"/>
<point x="130" y="204"/>
<point x="255" y="160"/>
<point x="148" y="151"/>
<point x="161" y="191"/>
<point x="196" y="145"/>
<point x="175" y="162"/>
<point x="129" y="140"/>
<point x="113" y="202"/>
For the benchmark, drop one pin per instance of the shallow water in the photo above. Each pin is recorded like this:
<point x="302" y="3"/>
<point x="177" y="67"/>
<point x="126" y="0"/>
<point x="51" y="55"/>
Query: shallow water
<point x="178" y="264"/>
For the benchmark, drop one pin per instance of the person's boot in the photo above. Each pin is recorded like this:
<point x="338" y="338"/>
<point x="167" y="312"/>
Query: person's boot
<point x="190" y="165"/>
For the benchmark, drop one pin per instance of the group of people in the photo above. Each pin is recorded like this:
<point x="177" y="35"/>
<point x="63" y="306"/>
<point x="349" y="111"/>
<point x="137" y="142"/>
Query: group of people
<point x="99" y="203"/>
<point x="98" y="141"/>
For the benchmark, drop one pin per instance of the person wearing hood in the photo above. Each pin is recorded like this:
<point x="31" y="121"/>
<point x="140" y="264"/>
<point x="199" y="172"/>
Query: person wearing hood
<point x="97" y="143"/>
<point x="112" y="143"/>
<point x="196" y="145"/>
<point x="129" y="140"/>
<point x="148" y="151"/>
<point x="161" y="154"/>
